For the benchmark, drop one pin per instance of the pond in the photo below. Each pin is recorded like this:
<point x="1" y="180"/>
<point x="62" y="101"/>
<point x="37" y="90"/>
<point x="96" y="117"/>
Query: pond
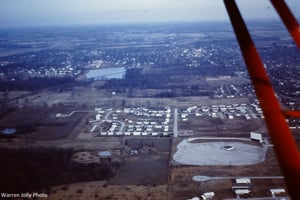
<point x="106" y="73"/>
<point x="9" y="131"/>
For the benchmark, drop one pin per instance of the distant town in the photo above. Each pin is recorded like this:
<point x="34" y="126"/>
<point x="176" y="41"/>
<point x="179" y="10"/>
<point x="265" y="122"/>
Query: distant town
<point x="157" y="111"/>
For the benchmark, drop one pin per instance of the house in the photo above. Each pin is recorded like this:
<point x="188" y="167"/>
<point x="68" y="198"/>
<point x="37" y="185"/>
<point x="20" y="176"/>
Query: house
<point x="134" y="152"/>
<point x="110" y="133"/>
<point x="243" y="181"/>
<point x="230" y="116"/>
<point x="256" y="137"/>
<point x="136" y="133"/>
<point x="198" y="114"/>
<point x="242" y="190"/>
<point x="98" y="117"/>
<point x="103" y="133"/>
<point x="104" y="154"/>
<point x="275" y="192"/>
<point x="144" y="134"/>
<point x="154" y="134"/>
<point x="208" y="195"/>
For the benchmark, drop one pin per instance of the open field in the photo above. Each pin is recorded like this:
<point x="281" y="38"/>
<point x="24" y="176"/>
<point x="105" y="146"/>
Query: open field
<point x="102" y="191"/>
<point x="206" y="126"/>
<point x="152" y="157"/>
<point x="41" y="123"/>
<point x="134" y="168"/>
<point x="90" y="97"/>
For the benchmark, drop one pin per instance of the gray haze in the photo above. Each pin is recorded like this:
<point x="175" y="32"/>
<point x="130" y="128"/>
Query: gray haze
<point x="64" y="12"/>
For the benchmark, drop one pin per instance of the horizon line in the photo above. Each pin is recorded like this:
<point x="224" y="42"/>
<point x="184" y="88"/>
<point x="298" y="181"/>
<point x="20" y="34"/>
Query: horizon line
<point x="57" y="25"/>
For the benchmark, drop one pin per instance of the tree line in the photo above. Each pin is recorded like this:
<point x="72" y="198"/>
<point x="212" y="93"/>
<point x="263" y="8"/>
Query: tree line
<point x="32" y="169"/>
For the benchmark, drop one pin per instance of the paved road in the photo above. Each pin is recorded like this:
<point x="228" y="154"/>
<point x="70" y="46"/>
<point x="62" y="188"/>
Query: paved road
<point x="122" y="127"/>
<point x="107" y="115"/>
<point x="75" y="111"/>
<point x="79" y="111"/>
<point x="175" y="128"/>
<point x="208" y="178"/>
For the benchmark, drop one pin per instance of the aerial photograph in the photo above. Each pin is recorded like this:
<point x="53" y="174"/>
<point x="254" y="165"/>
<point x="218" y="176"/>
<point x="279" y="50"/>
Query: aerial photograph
<point x="149" y="100"/>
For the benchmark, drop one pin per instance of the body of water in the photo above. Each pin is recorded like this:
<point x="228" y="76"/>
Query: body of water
<point x="9" y="131"/>
<point x="107" y="73"/>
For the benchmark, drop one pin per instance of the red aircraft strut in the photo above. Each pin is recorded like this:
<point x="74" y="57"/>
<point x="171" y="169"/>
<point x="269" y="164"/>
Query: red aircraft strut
<point x="284" y="144"/>
<point x="288" y="19"/>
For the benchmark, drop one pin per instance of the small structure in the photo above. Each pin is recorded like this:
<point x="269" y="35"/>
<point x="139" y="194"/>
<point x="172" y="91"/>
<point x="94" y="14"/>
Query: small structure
<point x="103" y="133"/>
<point x="243" y="181"/>
<point x="154" y="134"/>
<point x="208" y="195"/>
<point x="256" y="137"/>
<point x="134" y="152"/>
<point x="228" y="148"/>
<point x="60" y="115"/>
<point x="136" y="133"/>
<point x="243" y="191"/>
<point x="104" y="154"/>
<point x="230" y="116"/>
<point x="105" y="157"/>
<point x="98" y="117"/>
<point x="275" y="192"/>
<point x="194" y="198"/>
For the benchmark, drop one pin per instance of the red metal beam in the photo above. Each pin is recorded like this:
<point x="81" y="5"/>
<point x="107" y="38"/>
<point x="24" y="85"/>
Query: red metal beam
<point x="288" y="19"/>
<point x="281" y="136"/>
<point x="292" y="113"/>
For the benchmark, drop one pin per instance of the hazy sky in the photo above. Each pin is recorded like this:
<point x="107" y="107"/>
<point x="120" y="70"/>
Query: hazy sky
<point x="59" y="12"/>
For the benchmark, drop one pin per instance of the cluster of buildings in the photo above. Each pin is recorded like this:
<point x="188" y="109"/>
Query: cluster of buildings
<point x="41" y="72"/>
<point x="231" y="91"/>
<point x="243" y="189"/>
<point x="134" y="122"/>
<point x="67" y="71"/>
<point x="229" y="111"/>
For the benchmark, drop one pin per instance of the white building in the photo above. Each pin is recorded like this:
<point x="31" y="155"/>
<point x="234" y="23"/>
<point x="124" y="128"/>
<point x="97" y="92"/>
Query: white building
<point x="256" y="136"/>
